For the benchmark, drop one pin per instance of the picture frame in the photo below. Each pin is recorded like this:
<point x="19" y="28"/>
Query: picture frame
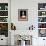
<point x="22" y="14"/>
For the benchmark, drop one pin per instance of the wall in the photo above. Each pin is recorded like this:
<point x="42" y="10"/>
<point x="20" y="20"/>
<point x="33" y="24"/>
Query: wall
<point x="32" y="13"/>
<point x="32" y="6"/>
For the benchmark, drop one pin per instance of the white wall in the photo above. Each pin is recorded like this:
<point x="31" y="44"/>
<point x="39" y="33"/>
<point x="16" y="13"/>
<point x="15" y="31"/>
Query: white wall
<point x="32" y="13"/>
<point x="32" y="6"/>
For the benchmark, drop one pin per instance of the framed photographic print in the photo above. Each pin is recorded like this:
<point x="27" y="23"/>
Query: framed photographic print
<point x="23" y="14"/>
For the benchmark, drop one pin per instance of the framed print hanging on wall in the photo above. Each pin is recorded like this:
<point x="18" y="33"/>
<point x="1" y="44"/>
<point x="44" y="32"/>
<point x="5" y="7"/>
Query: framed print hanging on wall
<point x="23" y="14"/>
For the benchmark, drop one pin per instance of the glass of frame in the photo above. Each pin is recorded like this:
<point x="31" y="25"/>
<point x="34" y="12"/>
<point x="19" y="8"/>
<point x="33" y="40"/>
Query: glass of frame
<point x="23" y="14"/>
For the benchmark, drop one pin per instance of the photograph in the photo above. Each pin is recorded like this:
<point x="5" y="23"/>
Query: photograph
<point x="23" y="14"/>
